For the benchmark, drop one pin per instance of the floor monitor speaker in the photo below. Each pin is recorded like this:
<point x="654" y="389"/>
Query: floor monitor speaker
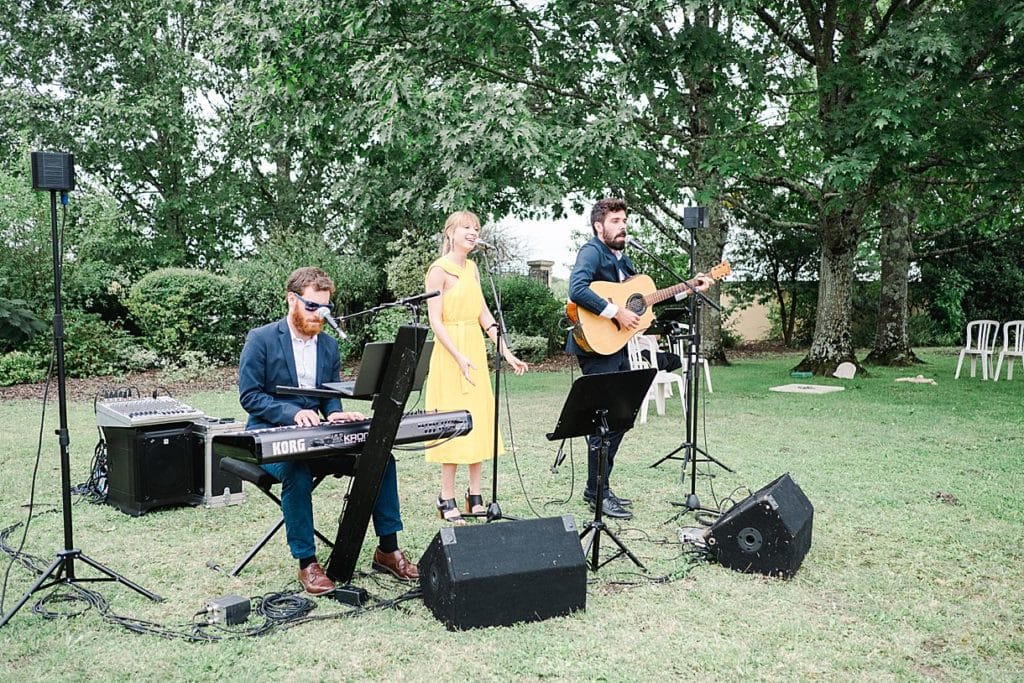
<point x="768" y="532"/>
<point x="505" y="572"/>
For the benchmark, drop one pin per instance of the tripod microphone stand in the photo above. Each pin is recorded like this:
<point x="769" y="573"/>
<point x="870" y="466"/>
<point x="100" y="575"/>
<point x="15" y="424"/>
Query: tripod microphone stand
<point x="691" y="452"/>
<point x="62" y="570"/>
<point x="493" y="509"/>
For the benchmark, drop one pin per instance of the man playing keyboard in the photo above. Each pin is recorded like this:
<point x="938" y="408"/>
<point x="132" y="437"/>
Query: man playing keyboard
<point x="294" y="351"/>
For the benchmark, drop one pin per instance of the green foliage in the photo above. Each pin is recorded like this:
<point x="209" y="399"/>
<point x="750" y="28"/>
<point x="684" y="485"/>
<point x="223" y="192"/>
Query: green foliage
<point x="17" y="323"/>
<point x="530" y="309"/>
<point x="407" y="268"/>
<point x="123" y="90"/>
<point x="190" y="365"/>
<point x="385" y="324"/>
<point x="180" y="310"/>
<point x="261" y="278"/>
<point x="94" y="347"/>
<point x="529" y="348"/>
<point x="967" y="283"/>
<point x="20" y="367"/>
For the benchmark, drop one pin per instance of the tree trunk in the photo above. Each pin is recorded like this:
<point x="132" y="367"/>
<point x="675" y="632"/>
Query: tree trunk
<point x="710" y="245"/>
<point x="833" y="339"/>
<point x="892" y="346"/>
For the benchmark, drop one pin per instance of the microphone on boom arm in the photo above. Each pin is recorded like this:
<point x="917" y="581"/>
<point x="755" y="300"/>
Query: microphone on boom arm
<point x="324" y="314"/>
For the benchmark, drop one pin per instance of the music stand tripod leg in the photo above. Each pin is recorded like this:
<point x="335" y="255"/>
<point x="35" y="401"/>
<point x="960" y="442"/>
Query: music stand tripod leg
<point x="597" y="526"/>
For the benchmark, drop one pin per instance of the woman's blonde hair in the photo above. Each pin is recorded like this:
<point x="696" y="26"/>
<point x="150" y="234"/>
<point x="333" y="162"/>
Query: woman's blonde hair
<point x="455" y="220"/>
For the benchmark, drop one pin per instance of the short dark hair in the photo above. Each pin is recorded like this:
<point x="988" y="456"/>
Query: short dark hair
<point x="306" y="276"/>
<point x="603" y="208"/>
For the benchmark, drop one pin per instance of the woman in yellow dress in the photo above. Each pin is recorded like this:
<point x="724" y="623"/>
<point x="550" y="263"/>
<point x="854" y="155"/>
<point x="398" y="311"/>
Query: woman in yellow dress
<point x="459" y="377"/>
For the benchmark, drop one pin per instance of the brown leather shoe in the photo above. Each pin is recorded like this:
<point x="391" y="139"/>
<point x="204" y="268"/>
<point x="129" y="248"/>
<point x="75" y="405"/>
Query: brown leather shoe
<point x="396" y="564"/>
<point x="314" y="581"/>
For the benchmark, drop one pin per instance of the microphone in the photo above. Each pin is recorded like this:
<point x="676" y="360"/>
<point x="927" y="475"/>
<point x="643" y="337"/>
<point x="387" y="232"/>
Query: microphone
<point x="484" y="244"/>
<point x="324" y="314"/>
<point x="418" y="298"/>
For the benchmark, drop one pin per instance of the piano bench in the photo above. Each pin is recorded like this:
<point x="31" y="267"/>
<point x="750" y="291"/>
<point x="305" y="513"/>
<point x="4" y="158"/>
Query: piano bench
<point x="247" y="471"/>
<point x="321" y="468"/>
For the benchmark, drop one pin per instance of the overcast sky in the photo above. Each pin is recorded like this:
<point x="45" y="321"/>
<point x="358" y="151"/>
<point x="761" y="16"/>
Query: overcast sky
<point x="548" y="239"/>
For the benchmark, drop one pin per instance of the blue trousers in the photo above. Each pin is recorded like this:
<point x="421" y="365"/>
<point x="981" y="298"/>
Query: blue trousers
<point x="591" y="365"/>
<point x="297" y="504"/>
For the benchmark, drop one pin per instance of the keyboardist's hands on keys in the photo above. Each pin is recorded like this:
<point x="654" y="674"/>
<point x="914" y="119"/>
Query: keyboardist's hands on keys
<point x="351" y="416"/>
<point x="307" y="418"/>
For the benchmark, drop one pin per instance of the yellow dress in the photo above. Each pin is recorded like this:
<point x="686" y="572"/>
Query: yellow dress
<point x="446" y="388"/>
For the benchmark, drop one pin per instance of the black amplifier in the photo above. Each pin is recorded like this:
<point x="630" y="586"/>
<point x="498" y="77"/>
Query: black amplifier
<point x="149" y="467"/>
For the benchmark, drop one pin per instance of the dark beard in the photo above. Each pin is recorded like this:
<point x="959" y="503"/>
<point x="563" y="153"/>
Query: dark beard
<point x="303" y="325"/>
<point x="617" y="243"/>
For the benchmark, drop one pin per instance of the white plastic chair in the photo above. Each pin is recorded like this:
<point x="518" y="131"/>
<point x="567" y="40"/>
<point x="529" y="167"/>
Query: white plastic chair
<point x="679" y="348"/>
<point x="1013" y="346"/>
<point x="661" y="387"/>
<point x="980" y="344"/>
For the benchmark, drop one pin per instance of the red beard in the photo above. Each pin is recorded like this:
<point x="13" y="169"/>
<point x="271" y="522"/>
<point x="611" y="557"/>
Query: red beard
<point x="304" y="325"/>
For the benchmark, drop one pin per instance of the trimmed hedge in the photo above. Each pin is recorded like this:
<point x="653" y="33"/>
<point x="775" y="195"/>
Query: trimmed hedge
<point x="180" y="310"/>
<point x="530" y="309"/>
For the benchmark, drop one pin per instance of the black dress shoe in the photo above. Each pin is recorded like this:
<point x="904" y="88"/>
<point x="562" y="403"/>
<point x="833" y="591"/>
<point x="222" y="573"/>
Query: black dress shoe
<point x="625" y="502"/>
<point x="611" y="508"/>
<point x="589" y="497"/>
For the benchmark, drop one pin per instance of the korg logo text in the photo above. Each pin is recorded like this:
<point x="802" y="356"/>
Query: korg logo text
<point x="289" y="446"/>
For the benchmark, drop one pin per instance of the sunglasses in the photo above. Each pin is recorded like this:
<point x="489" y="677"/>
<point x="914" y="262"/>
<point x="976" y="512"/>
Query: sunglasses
<point x="312" y="306"/>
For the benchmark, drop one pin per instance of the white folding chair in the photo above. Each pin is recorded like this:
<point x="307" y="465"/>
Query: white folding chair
<point x="663" y="381"/>
<point x="679" y="348"/>
<point x="1013" y="346"/>
<point x="980" y="344"/>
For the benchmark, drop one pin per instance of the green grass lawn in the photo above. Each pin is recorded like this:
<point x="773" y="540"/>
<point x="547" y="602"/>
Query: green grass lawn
<point x="898" y="583"/>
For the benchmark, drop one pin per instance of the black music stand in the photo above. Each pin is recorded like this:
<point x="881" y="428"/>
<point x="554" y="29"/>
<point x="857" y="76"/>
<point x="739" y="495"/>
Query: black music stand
<point x="596" y="405"/>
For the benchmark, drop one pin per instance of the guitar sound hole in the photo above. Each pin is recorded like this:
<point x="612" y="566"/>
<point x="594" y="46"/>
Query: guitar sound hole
<point x="636" y="304"/>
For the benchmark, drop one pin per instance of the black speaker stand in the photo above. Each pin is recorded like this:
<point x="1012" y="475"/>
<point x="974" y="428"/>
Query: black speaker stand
<point x="596" y="405"/>
<point x="62" y="570"/>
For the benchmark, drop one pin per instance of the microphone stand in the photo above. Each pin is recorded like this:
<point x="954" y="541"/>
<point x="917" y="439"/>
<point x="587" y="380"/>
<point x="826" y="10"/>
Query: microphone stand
<point x="691" y="452"/>
<point x="413" y="303"/>
<point x="493" y="509"/>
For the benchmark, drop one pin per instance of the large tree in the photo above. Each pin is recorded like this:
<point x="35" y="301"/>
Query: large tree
<point x="125" y="86"/>
<point x="882" y="82"/>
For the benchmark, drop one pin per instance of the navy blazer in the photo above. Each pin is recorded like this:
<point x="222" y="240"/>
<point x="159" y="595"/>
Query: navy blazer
<point x="595" y="262"/>
<point x="267" y="361"/>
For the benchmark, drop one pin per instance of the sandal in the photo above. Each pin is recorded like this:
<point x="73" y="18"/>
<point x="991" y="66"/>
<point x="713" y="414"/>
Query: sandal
<point x="449" y="511"/>
<point x="473" y="501"/>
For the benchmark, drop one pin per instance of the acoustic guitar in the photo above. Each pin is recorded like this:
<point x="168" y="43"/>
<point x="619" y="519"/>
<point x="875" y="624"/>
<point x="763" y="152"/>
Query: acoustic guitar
<point x="595" y="334"/>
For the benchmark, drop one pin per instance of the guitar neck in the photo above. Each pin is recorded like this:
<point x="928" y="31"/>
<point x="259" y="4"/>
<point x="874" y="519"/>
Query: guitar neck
<point x="663" y="294"/>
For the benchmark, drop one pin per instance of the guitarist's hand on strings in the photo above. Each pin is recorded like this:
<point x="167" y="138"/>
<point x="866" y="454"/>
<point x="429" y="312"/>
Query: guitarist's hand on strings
<point x="627" y="318"/>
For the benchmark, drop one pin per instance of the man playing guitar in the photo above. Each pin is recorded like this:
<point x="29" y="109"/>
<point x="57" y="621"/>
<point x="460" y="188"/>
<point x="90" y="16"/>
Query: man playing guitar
<point x="602" y="259"/>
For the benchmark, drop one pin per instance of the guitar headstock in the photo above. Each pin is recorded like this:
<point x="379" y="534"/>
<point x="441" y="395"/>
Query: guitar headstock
<point x="720" y="271"/>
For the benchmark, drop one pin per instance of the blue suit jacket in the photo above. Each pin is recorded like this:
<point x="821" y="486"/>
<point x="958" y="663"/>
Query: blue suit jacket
<point x="595" y="262"/>
<point x="267" y="361"/>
